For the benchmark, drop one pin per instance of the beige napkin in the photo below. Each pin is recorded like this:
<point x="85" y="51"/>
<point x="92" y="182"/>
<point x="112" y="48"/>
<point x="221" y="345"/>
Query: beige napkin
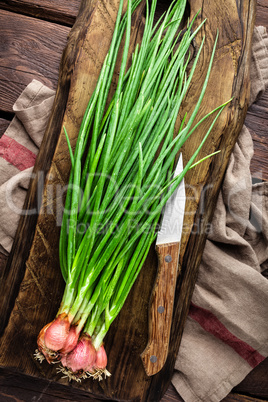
<point x="225" y="334"/>
<point x="18" y="148"/>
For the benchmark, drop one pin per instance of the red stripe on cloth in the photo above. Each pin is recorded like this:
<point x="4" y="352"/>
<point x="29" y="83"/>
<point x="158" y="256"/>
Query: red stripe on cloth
<point x="212" y="324"/>
<point x="15" y="153"/>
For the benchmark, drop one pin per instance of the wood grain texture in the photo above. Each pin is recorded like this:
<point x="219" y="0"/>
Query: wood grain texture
<point x="257" y="116"/>
<point x="63" y="12"/>
<point x="161" y="308"/>
<point x="15" y="386"/>
<point x="255" y="383"/>
<point x="240" y="398"/>
<point x="171" y="395"/>
<point x="39" y="293"/>
<point x="29" y="48"/>
<point x="257" y="123"/>
<point x="262" y="13"/>
<point x="18" y="387"/>
<point x="3" y="261"/>
<point x="3" y="126"/>
<point x="14" y="272"/>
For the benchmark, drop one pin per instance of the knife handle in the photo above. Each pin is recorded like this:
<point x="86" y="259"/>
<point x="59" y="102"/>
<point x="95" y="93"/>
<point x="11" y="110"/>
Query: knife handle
<point x="161" y="308"/>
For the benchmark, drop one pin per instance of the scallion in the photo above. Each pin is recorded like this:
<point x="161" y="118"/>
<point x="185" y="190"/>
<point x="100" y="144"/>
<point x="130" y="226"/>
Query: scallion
<point x="120" y="180"/>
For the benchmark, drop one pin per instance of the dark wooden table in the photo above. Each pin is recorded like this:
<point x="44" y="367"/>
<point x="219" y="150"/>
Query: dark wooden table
<point x="33" y="36"/>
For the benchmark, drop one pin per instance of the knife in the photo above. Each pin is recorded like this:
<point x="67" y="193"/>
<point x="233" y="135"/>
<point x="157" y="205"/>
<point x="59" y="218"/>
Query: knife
<point x="162" y="298"/>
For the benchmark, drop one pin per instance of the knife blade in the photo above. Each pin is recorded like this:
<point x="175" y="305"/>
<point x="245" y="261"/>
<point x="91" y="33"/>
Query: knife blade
<point x="162" y="298"/>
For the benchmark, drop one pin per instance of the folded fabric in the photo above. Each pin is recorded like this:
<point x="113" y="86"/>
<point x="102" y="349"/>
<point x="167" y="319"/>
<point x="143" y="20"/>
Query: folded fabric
<point x="225" y="333"/>
<point x="18" y="149"/>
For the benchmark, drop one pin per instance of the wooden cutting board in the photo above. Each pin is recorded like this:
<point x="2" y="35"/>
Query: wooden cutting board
<point x="32" y="286"/>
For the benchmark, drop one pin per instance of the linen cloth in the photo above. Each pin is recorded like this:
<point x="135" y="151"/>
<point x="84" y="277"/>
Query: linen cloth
<point x="18" y="149"/>
<point x="226" y="331"/>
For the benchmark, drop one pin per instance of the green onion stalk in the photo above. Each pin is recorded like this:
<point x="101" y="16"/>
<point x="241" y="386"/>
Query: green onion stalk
<point x="120" y="179"/>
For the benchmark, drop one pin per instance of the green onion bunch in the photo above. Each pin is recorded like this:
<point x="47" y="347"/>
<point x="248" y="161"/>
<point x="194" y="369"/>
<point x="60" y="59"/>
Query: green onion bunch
<point x="121" y="177"/>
